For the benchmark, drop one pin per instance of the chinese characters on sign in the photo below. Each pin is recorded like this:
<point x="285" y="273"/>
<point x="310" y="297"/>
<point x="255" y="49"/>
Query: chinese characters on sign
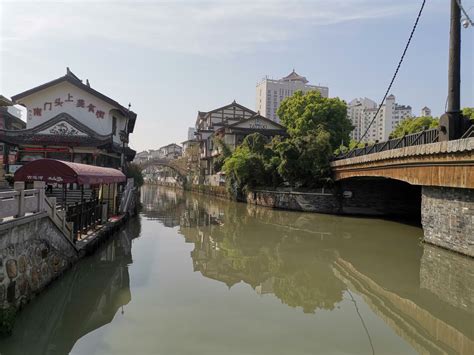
<point x="258" y="125"/>
<point x="58" y="102"/>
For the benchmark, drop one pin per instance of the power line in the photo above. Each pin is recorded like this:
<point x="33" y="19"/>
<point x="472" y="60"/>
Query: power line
<point x="396" y="71"/>
<point x="465" y="12"/>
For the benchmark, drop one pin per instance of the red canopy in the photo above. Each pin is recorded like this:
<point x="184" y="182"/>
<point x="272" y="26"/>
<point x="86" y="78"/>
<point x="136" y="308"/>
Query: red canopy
<point x="63" y="172"/>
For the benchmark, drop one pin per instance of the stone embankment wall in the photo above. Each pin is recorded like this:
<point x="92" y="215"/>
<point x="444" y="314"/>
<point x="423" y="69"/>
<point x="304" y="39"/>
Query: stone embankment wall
<point x="323" y="202"/>
<point x="448" y="218"/>
<point x="33" y="252"/>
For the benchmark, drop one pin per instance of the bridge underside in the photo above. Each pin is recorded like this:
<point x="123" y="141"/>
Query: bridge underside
<point x="432" y="181"/>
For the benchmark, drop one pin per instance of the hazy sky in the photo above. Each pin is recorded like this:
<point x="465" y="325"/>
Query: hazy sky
<point x="173" y="58"/>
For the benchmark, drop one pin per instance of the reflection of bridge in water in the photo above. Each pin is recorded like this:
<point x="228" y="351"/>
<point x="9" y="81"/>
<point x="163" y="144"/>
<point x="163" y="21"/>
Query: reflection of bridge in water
<point x="314" y="261"/>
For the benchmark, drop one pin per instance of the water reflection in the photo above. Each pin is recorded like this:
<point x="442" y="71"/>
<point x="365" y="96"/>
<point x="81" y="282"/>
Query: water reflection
<point x="86" y="298"/>
<point x="314" y="262"/>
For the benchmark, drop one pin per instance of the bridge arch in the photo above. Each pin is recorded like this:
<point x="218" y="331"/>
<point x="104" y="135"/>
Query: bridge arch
<point x="380" y="196"/>
<point x="171" y="164"/>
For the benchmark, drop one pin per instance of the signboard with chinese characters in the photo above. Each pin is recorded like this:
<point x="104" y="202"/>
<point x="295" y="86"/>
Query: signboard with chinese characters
<point x="60" y="102"/>
<point x="256" y="124"/>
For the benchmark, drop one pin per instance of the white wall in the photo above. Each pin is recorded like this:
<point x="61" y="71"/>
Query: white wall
<point x="65" y="91"/>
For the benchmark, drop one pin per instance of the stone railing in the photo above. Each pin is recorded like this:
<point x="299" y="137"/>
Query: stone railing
<point x="20" y="202"/>
<point x="58" y="217"/>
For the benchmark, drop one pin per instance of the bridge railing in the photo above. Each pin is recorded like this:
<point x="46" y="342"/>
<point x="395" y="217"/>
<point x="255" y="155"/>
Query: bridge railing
<point x="423" y="137"/>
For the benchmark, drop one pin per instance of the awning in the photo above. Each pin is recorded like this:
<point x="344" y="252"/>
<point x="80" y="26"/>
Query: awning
<point x="63" y="172"/>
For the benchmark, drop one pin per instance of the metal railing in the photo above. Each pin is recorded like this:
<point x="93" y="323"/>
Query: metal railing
<point x="424" y="137"/>
<point x="469" y="133"/>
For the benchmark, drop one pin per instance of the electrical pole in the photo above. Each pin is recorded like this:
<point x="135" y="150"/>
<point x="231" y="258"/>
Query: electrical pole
<point x="451" y="123"/>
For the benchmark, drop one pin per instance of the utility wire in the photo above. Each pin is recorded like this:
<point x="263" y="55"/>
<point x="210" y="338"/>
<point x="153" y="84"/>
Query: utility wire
<point x="465" y="12"/>
<point x="362" y="321"/>
<point x="396" y="71"/>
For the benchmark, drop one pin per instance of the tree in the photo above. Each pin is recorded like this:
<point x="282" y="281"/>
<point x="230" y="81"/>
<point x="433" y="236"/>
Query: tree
<point x="302" y="113"/>
<point x="414" y="125"/>
<point x="304" y="160"/>
<point x="353" y="144"/>
<point x="469" y="113"/>
<point x="253" y="163"/>
<point x="224" y="151"/>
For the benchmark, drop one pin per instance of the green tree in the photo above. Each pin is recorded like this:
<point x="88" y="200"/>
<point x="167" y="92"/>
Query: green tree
<point x="253" y="163"/>
<point x="304" y="160"/>
<point x="302" y="113"/>
<point x="224" y="151"/>
<point x="353" y="144"/>
<point x="414" y="125"/>
<point x="469" y="113"/>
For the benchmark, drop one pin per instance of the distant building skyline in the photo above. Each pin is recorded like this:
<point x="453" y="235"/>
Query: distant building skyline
<point x="222" y="49"/>
<point x="425" y="112"/>
<point x="361" y="113"/>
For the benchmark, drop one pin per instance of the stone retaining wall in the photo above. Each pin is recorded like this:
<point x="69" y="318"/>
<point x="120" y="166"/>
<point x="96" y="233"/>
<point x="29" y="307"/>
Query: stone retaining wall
<point x="447" y="215"/>
<point x="33" y="252"/>
<point x="297" y="201"/>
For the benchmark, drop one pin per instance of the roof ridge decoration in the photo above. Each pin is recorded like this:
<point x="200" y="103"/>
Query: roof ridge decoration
<point x="53" y="124"/>
<point x="294" y="76"/>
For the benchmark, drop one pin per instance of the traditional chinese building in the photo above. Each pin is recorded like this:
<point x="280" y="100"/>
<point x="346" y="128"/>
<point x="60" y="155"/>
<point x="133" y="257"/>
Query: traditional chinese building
<point x="231" y="124"/>
<point x="69" y="120"/>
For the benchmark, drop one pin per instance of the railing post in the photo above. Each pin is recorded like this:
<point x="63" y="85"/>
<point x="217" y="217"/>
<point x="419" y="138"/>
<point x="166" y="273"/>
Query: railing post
<point x="40" y="186"/>
<point x="19" y="186"/>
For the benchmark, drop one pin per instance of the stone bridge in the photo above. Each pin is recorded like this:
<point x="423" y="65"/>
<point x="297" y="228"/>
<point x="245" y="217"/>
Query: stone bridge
<point x="169" y="163"/>
<point x="436" y="179"/>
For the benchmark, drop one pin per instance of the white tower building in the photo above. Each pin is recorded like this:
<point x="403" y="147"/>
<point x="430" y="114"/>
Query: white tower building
<point x="271" y="92"/>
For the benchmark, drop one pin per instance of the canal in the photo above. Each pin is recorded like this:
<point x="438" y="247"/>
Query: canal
<point x="199" y="275"/>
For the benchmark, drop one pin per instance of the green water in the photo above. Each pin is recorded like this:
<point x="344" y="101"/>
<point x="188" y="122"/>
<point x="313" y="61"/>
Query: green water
<point x="198" y="275"/>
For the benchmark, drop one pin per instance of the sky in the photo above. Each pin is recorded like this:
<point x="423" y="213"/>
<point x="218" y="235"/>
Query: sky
<point x="170" y="59"/>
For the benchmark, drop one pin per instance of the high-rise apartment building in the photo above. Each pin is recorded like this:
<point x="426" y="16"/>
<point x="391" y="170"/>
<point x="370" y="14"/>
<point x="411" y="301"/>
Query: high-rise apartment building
<point x="425" y="112"/>
<point x="362" y="111"/>
<point x="271" y="92"/>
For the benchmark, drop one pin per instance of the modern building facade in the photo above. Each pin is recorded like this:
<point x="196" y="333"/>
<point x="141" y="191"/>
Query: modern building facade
<point x="270" y="92"/>
<point x="69" y="120"/>
<point x="170" y="151"/>
<point x="425" y="112"/>
<point x="362" y="111"/>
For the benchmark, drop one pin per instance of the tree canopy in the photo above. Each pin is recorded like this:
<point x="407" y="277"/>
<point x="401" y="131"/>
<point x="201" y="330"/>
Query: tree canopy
<point x="468" y="112"/>
<point x="315" y="126"/>
<point x="303" y="113"/>
<point x="414" y="125"/>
